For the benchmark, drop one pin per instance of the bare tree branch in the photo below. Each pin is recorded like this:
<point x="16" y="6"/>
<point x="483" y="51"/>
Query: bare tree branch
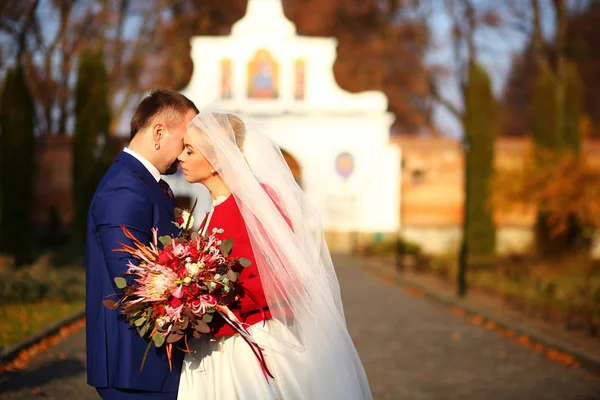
<point x="442" y="100"/>
<point x="538" y="39"/>
<point x="25" y="28"/>
<point x="471" y="27"/>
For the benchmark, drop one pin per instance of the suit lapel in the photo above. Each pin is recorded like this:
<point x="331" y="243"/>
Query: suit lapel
<point x="138" y="168"/>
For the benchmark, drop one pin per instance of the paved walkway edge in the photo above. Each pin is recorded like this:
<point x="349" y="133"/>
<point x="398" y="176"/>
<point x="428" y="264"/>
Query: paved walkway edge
<point x="590" y="362"/>
<point x="10" y="353"/>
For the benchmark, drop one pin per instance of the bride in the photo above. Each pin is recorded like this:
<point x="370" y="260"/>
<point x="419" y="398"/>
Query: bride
<point x="289" y="296"/>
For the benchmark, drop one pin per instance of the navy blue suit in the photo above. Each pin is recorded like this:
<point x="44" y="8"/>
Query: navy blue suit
<point x="127" y="195"/>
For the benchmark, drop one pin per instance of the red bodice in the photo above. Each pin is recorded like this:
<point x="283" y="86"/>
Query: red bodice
<point x="227" y="216"/>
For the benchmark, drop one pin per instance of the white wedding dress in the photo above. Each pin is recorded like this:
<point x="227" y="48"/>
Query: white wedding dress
<point x="306" y="344"/>
<point x="226" y="369"/>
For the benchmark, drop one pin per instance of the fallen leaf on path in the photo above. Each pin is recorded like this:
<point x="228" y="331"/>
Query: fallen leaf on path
<point x="523" y="340"/>
<point x="490" y="325"/>
<point x="477" y="320"/>
<point x="458" y="311"/>
<point x="414" y="292"/>
<point x="507" y="333"/>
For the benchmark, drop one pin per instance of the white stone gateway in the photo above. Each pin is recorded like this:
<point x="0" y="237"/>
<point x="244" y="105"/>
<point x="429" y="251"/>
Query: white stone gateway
<point x="336" y="142"/>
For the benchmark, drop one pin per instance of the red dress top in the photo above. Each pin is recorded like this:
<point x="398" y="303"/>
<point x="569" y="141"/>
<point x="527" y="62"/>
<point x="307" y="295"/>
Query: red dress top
<point x="227" y="216"/>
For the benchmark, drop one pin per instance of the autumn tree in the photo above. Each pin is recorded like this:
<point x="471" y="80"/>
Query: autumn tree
<point x="581" y="49"/>
<point x="567" y="186"/>
<point x="382" y="46"/>
<point x="555" y="122"/>
<point x="126" y="30"/>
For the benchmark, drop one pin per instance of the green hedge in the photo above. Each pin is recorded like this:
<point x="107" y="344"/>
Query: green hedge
<point x="34" y="284"/>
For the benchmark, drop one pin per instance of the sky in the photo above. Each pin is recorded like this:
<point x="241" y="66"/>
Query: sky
<point x="496" y="48"/>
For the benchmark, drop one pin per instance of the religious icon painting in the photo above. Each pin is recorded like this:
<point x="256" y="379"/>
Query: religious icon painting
<point x="300" y="78"/>
<point x="226" y="79"/>
<point x="263" y="76"/>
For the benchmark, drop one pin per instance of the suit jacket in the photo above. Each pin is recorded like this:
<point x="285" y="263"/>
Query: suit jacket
<point x="127" y="195"/>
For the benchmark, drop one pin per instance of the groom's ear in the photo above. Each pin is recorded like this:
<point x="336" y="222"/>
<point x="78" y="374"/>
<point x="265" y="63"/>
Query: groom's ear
<point x="158" y="131"/>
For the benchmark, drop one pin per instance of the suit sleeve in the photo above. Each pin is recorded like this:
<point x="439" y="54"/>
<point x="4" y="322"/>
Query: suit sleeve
<point x="116" y="207"/>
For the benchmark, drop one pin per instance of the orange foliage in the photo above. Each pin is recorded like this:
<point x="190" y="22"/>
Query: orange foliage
<point x="564" y="184"/>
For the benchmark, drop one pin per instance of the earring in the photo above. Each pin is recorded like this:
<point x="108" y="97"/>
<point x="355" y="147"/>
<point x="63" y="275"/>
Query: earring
<point x="213" y="172"/>
<point x="156" y="146"/>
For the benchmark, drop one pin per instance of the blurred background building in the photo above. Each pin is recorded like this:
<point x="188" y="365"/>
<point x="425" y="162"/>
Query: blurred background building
<point x="284" y="84"/>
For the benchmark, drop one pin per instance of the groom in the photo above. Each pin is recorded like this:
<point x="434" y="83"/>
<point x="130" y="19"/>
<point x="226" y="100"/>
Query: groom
<point x="132" y="194"/>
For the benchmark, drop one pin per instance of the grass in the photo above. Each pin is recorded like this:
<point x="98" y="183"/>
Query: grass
<point x="565" y="290"/>
<point x="20" y="321"/>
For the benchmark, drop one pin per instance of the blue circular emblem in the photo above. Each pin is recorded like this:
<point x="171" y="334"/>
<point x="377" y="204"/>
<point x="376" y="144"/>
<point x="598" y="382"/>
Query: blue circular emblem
<point x="344" y="164"/>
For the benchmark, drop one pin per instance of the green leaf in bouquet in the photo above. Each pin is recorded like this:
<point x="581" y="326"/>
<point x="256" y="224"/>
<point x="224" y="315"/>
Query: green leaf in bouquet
<point x="111" y="304"/>
<point x="202" y="327"/>
<point x="120" y="282"/>
<point x="232" y="276"/>
<point x="140" y="321"/>
<point x="244" y="262"/>
<point x="165" y="240"/>
<point x="174" y="337"/>
<point x="143" y="330"/>
<point x="158" y="339"/>
<point x="207" y="318"/>
<point x="226" y="246"/>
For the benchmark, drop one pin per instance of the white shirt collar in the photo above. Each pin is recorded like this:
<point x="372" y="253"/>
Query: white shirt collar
<point x="151" y="168"/>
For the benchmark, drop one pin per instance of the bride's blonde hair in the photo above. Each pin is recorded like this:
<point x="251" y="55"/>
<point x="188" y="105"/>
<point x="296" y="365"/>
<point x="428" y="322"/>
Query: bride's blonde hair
<point x="239" y="130"/>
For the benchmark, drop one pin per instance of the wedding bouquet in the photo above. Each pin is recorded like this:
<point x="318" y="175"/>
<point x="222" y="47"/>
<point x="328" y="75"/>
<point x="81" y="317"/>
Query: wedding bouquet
<point x="176" y="289"/>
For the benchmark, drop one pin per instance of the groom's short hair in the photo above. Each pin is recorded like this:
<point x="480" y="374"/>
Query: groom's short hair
<point x="169" y="103"/>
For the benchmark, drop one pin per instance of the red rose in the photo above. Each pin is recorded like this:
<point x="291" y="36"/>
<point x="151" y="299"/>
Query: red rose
<point x="194" y="289"/>
<point x="175" y="302"/>
<point x="163" y="258"/>
<point x="174" y="264"/>
<point x="180" y="220"/>
<point x="194" y="253"/>
<point x="196" y="302"/>
<point x="159" y="309"/>
<point x="182" y="272"/>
